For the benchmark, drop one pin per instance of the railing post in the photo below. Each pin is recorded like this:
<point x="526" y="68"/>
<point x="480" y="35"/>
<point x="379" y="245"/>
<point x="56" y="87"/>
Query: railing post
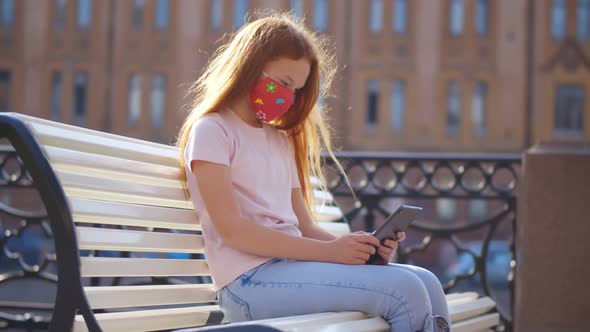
<point x="553" y="240"/>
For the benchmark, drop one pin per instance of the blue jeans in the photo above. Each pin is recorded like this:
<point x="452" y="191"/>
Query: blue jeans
<point x="409" y="298"/>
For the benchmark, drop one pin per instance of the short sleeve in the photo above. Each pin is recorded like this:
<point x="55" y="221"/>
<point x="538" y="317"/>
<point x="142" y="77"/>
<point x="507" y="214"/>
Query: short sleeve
<point x="293" y="165"/>
<point x="209" y="141"/>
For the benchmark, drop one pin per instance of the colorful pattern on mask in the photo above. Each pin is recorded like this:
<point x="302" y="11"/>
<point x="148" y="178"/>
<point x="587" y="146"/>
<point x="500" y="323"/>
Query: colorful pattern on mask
<point x="270" y="99"/>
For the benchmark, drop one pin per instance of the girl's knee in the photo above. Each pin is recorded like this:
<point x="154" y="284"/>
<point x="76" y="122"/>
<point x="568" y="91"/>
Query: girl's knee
<point x="410" y="303"/>
<point x="429" y="279"/>
<point x="408" y="285"/>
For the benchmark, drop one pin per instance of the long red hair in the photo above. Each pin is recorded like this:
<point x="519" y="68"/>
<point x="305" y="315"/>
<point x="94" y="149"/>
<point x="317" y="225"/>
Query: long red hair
<point x="235" y="68"/>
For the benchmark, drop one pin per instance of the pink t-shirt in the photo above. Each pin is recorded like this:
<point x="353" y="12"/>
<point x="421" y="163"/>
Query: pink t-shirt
<point x="263" y="172"/>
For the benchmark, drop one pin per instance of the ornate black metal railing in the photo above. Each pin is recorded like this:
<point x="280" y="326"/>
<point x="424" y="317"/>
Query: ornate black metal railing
<point x="26" y="244"/>
<point x="381" y="182"/>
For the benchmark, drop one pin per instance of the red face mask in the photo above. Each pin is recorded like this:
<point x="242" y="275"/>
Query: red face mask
<point x="270" y="99"/>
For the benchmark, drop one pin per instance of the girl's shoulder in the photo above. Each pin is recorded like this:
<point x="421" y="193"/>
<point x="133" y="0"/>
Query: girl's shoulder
<point x="211" y="123"/>
<point x="211" y="117"/>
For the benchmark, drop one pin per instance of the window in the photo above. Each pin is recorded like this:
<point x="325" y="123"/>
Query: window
<point x="297" y="8"/>
<point x="5" y="78"/>
<point x="479" y="108"/>
<point x="477" y="210"/>
<point x="137" y="15"/>
<point x="376" y="16"/>
<point x="481" y="17"/>
<point x="59" y="21"/>
<point x="446" y="209"/>
<point x="134" y="100"/>
<point x="398" y="105"/>
<point x="162" y="14"/>
<point x="400" y="16"/>
<point x="84" y="16"/>
<point x="80" y="97"/>
<point x="456" y="17"/>
<point x="216" y="14"/>
<point x="56" y="95"/>
<point x="569" y="110"/>
<point x="158" y="101"/>
<point x="583" y="20"/>
<point x="6" y="12"/>
<point x="240" y="12"/>
<point x="558" y="19"/>
<point x="372" y="104"/>
<point x="320" y="15"/>
<point x="453" y="107"/>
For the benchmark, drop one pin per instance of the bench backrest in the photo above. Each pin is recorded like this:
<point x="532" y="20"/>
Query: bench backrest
<point x="125" y="195"/>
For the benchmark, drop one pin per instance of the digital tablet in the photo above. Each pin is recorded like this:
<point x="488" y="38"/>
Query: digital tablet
<point x="398" y="221"/>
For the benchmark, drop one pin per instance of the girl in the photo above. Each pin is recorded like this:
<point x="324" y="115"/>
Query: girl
<point x="249" y="147"/>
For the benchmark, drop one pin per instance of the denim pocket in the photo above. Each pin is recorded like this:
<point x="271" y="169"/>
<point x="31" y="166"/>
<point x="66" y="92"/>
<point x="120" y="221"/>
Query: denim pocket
<point x="234" y="308"/>
<point x="246" y="276"/>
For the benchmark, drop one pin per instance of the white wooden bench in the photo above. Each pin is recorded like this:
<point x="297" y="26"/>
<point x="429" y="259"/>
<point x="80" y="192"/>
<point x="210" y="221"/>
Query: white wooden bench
<point x="90" y="180"/>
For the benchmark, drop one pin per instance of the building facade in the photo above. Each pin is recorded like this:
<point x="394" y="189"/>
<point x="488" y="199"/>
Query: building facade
<point x="415" y="75"/>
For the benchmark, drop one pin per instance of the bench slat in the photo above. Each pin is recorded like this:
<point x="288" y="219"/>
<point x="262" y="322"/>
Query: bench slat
<point x="337" y="228"/>
<point x="126" y="240"/>
<point x="106" y="297"/>
<point x="128" y="296"/>
<point x="145" y="320"/>
<point x="142" y="267"/>
<point x="112" y="145"/>
<point x="478" y="323"/>
<point x="454" y="296"/>
<point x="109" y="165"/>
<point x="126" y="198"/>
<point x="113" y="213"/>
<point x="113" y="167"/>
<point x="378" y="324"/>
<point x="375" y="324"/>
<point x="458" y="312"/>
<point x="149" y="320"/>
<point x="327" y="213"/>
<point x="303" y="321"/>
<point x="76" y="129"/>
<point x="120" y="190"/>
<point x="470" y="309"/>
<point x="463" y="298"/>
<point x="323" y="321"/>
<point x="179" y="319"/>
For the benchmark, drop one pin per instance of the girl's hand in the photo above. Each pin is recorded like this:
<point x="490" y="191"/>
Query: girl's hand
<point x="387" y="250"/>
<point x="353" y="248"/>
